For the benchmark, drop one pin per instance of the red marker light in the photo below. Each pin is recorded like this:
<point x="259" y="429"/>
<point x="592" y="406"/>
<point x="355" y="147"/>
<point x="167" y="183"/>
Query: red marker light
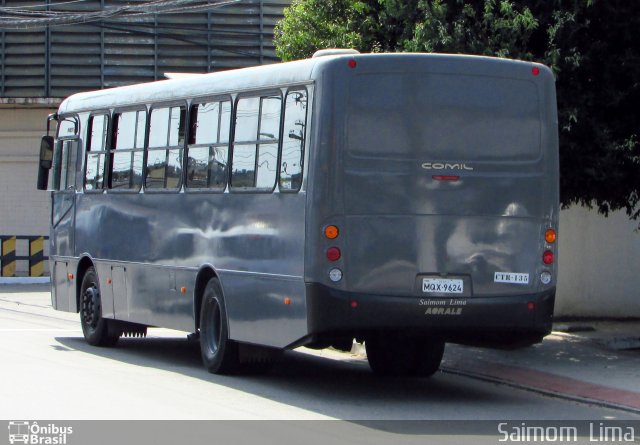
<point x="352" y="63"/>
<point x="531" y="305"/>
<point x="445" y="178"/>
<point x="333" y="254"/>
<point x="547" y="257"/>
<point x="535" y="70"/>
<point x="354" y="304"/>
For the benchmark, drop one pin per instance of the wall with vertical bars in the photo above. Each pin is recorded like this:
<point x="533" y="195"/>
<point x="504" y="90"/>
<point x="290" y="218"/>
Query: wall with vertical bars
<point x="61" y="60"/>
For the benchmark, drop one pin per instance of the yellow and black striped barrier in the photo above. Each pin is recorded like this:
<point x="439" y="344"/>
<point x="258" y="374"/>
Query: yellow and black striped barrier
<point x="36" y="257"/>
<point x="8" y="256"/>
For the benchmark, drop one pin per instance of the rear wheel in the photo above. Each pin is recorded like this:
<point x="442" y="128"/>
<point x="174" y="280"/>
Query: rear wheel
<point x="392" y="355"/>
<point x="219" y="354"/>
<point x="94" y="327"/>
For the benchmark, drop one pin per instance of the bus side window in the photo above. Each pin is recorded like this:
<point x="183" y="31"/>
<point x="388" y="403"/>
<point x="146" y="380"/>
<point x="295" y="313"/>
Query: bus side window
<point x="164" y="156"/>
<point x="293" y="138"/>
<point x="207" y="158"/>
<point x="255" y="147"/>
<point x="96" y="146"/>
<point x="65" y="160"/>
<point x="127" y="150"/>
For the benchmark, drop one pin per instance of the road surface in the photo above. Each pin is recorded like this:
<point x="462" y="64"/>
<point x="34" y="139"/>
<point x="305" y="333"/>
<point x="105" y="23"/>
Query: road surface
<point x="49" y="372"/>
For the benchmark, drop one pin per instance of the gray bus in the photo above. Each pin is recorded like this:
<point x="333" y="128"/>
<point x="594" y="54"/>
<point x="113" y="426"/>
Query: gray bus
<point x="403" y="200"/>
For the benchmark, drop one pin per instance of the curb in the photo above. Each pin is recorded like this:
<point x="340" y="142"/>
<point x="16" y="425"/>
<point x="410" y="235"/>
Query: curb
<point x="549" y="384"/>
<point x="540" y="382"/>
<point x="25" y="280"/>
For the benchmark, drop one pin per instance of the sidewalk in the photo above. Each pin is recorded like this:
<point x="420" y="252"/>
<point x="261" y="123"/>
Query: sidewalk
<point x="593" y="361"/>
<point x="24" y="280"/>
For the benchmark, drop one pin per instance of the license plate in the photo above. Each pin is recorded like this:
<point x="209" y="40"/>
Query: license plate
<point x="442" y="286"/>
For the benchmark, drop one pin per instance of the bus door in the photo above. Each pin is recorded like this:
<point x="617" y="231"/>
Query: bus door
<point x="62" y="241"/>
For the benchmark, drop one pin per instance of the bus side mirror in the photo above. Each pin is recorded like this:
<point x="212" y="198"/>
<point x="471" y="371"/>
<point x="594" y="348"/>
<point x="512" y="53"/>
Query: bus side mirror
<point x="46" y="159"/>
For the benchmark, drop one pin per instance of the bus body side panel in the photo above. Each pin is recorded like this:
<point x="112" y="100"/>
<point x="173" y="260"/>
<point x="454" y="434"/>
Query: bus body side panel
<point x="152" y="244"/>
<point x="108" y="290"/>
<point x="261" y="273"/>
<point x="62" y="288"/>
<point x="257" y="309"/>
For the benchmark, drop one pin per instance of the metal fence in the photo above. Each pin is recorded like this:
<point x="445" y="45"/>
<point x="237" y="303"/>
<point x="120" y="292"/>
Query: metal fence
<point x="56" y="61"/>
<point x="36" y="256"/>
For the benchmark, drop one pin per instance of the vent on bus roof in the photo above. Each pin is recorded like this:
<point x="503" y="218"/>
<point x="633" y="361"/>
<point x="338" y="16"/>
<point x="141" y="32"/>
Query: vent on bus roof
<point x="334" y="52"/>
<point x="181" y="75"/>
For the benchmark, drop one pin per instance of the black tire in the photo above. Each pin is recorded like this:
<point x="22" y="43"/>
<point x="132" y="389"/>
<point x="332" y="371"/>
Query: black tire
<point x="430" y="352"/>
<point x="391" y="355"/>
<point x="94" y="327"/>
<point x="219" y="354"/>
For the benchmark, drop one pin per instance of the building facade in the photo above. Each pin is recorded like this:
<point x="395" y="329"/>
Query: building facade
<point x="95" y="44"/>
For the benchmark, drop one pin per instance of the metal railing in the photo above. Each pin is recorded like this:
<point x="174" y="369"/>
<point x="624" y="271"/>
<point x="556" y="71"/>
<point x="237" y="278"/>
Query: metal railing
<point x="36" y="257"/>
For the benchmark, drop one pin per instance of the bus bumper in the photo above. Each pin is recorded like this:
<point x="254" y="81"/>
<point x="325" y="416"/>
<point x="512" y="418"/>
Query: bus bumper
<point x="487" y="321"/>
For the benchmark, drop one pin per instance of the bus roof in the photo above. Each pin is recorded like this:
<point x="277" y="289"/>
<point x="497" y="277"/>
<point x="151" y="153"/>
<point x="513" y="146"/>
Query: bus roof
<point x="253" y="78"/>
<point x="191" y="86"/>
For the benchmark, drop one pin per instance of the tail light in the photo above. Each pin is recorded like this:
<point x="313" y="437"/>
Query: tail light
<point x="333" y="254"/>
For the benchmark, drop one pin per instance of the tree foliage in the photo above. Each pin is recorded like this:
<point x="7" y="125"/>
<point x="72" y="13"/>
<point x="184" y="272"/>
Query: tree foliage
<point x="591" y="45"/>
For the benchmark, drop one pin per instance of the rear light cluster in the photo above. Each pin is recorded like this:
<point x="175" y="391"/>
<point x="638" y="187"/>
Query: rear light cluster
<point x="333" y="253"/>
<point x="550" y="237"/>
<point x="548" y="257"/>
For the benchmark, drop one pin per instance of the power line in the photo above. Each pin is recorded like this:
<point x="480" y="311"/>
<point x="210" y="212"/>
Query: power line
<point x="28" y="17"/>
<point x="44" y="5"/>
<point x="187" y="38"/>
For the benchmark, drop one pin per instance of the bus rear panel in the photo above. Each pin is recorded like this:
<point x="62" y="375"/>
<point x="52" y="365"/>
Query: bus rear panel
<point x="443" y="186"/>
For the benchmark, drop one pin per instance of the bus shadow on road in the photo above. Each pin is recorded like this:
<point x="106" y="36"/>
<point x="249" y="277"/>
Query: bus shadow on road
<point x="332" y="387"/>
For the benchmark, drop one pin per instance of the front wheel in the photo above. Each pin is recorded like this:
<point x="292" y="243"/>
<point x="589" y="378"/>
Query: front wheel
<point x="94" y="327"/>
<point x="219" y="354"/>
<point x="392" y="355"/>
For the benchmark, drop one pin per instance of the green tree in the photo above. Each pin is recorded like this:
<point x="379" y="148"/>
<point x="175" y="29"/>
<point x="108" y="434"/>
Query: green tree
<point x="371" y="26"/>
<point x="591" y="45"/>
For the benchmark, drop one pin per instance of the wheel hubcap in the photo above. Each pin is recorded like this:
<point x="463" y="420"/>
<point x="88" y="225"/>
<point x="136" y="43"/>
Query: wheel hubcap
<point x="91" y="306"/>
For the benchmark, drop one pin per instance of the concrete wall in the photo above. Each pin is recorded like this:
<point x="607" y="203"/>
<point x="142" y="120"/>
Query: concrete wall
<point x="23" y="209"/>
<point x="599" y="265"/>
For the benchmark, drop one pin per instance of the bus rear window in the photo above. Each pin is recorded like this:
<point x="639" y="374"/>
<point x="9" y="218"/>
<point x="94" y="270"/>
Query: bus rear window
<point x="443" y="117"/>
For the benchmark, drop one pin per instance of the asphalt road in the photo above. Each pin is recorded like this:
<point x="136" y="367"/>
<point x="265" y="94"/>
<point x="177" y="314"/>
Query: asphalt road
<point x="47" y="371"/>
